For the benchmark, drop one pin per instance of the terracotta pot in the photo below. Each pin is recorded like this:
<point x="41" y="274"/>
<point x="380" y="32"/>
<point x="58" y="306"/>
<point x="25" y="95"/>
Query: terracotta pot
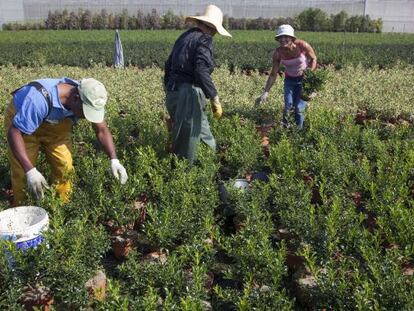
<point x="238" y="223"/>
<point x="113" y="228"/>
<point x="293" y="261"/>
<point x="266" y="146"/>
<point x="38" y="297"/>
<point x="169" y="123"/>
<point x="121" y="246"/>
<point x="264" y="129"/>
<point x="316" y="196"/>
<point x="44" y="306"/>
<point x="304" y="283"/>
<point x="370" y="222"/>
<point x="388" y="245"/>
<point x="361" y="116"/>
<point x="140" y="208"/>
<point x="357" y="198"/>
<point x="96" y="286"/>
<point x="239" y="226"/>
<point x="168" y="147"/>
<point x="209" y="281"/>
<point x="307" y="178"/>
<point x="284" y="234"/>
<point x="159" y="256"/>
<point x="408" y="268"/>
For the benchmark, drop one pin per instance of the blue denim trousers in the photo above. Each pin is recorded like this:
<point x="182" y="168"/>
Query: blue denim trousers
<point x="293" y="89"/>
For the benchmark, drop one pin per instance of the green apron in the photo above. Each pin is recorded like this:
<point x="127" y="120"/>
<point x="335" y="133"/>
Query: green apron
<point x="186" y="106"/>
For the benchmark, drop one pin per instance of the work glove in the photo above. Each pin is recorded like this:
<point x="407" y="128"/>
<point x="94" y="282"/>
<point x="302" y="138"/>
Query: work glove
<point x="261" y="99"/>
<point x="216" y="107"/>
<point x="119" y="171"/>
<point x="36" y="182"/>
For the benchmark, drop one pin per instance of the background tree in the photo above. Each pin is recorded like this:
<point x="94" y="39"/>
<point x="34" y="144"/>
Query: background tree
<point x="111" y="21"/>
<point x="141" y="21"/>
<point x="307" y="20"/>
<point x="153" y="20"/>
<point x="180" y="21"/>
<point x="168" y="20"/>
<point x="73" y="21"/>
<point x="104" y="18"/>
<point x="86" y="20"/>
<point x="65" y="19"/>
<point x="124" y="19"/>
<point x="339" y="21"/>
<point x="313" y="20"/>
<point x="376" y="25"/>
<point x="132" y="22"/>
<point x="51" y="21"/>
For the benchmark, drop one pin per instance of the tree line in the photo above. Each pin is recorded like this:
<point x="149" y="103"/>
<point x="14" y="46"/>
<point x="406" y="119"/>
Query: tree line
<point x="308" y="20"/>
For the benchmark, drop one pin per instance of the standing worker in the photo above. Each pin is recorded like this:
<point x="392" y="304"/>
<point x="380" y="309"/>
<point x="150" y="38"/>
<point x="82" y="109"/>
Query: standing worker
<point x="188" y="83"/>
<point x="41" y="114"/>
<point x="295" y="55"/>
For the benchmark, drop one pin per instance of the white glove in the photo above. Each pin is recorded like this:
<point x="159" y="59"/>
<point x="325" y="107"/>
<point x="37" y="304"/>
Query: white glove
<point x="119" y="171"/>
<point x="36" y="182"/>
<point x="260" y="100"/>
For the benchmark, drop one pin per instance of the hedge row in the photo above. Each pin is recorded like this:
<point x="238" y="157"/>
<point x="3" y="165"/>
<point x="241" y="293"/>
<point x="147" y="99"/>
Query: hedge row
<point x="308" y="20"/>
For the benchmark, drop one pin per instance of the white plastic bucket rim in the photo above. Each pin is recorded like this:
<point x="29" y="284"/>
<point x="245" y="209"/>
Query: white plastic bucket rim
<point x="241" y="183"/>
<point x="23" y="223"/>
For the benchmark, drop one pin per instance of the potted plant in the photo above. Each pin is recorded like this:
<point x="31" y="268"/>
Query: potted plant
<point x="37" y="297"/>
<point x="313" y="82"/>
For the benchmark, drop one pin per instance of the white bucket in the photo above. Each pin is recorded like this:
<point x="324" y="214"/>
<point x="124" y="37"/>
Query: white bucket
<point x="23" y="225"/>
<point x="241" y="184"/>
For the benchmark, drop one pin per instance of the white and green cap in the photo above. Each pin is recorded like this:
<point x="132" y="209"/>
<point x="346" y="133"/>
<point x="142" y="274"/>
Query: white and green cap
<point x="94" y="96"/>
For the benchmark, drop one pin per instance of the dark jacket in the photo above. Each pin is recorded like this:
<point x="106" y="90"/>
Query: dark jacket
<point x="191" y="61"/>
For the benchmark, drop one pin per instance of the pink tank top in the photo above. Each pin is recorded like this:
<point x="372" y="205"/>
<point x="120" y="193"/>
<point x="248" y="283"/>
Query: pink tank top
<point x="295" y="66"/>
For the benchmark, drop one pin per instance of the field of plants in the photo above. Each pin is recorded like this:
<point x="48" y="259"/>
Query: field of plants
<point x="246" y="50"/>
<point x="326" y="223"/>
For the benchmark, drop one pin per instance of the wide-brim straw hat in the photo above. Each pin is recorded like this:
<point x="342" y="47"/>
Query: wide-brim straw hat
<point x="213" y="17"/>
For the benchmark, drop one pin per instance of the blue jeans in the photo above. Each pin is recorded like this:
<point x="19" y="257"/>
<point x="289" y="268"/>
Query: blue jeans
<point x="293" y="89"/>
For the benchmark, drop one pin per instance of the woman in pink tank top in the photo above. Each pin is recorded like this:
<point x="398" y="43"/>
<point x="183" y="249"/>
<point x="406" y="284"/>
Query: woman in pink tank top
<point x="296" y="56"/>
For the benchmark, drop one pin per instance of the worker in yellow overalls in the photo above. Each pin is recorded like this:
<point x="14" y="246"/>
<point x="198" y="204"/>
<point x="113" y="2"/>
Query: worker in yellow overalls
<point x="41" y="114"/>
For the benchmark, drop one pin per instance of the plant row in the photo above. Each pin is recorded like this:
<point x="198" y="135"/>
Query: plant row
<point x="308" y="20"/>
<point x="246" y="50"/>
<point x="325" y="221"/>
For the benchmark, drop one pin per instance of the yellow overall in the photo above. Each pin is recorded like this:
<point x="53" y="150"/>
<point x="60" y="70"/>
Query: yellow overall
<point x="55" y="140"/>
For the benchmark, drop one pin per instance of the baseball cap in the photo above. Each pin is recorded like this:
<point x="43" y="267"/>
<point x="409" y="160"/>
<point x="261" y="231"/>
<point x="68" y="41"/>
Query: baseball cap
<point x="94" y="97"/>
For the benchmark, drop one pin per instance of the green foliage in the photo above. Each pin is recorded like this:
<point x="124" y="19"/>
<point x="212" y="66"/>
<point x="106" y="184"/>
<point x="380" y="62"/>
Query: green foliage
<point x="308" y="20"/>
<point x="313" y="81"/>
<point x="235" y="157"/>
<point x="183" y="202"/>
<point x="246" y="50"/>
<point x="341" y="189"/>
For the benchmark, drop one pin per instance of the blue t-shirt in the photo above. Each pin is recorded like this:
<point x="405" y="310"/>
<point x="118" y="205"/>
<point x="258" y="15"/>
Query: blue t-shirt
<point x="32" y="107"/>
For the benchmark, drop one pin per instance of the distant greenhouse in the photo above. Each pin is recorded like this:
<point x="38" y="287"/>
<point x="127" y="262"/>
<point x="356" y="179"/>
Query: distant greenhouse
<point x="397" y="15"/>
